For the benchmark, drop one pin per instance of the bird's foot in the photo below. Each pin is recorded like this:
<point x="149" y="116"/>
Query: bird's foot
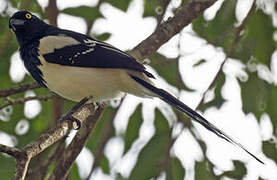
<point x="96" y="105"/>
<point x="76" y="122"/>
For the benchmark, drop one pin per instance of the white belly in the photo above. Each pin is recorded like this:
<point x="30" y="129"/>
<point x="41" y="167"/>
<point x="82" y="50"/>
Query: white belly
<point x="75" y="83"/>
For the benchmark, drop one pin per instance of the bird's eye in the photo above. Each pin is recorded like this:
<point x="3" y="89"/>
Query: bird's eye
<point x="28" y="16"/>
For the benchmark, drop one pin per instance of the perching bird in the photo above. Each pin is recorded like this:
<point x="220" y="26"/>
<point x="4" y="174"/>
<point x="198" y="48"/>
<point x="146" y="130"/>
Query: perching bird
<point x="75" y="66"/>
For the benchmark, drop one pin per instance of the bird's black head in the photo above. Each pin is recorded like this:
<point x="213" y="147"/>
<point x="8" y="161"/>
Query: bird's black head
<point x="27" y="26"/>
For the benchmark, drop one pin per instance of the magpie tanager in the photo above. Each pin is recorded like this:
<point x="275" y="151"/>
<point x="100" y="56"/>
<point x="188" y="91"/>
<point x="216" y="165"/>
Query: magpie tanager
<point x="75" y="66"/>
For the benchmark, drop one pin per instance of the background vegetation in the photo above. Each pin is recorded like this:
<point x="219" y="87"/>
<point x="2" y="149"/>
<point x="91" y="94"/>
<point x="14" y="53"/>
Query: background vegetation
<point x="252" y="43"/>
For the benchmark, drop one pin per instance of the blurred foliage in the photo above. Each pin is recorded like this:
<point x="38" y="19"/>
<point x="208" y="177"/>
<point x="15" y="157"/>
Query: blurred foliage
<point x="132" y="132"/>
<point x="238" y="173"/>
<point x="202" y="171"/>
<point x="253" y="45"/>
<point x="270" y="149"/>
<point x="152" y="159"/>
<point x="88" y="13"/>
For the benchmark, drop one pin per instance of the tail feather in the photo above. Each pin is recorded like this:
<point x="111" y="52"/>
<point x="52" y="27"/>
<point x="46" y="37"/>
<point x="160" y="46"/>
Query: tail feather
<point x="168" y="98"/>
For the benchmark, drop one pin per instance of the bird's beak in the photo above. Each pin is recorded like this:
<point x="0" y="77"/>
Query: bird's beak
<point x="15" y="23"/>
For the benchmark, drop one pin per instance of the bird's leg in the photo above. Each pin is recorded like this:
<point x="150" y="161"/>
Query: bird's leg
<point x="68" y="115"/>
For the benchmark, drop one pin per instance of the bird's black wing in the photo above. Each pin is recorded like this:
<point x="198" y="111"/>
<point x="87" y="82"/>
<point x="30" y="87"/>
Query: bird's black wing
<point x="89" y="52"/>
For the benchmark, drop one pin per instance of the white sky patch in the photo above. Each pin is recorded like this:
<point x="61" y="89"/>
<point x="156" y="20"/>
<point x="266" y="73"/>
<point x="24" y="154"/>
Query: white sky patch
<point x="22" y="127"/>
<point x="127" y="28"/>
<point x="62" y="4"/>
<point x="266" y="127"/>
<point x="44" y="3"/>
<point x="113" y="151"/>
<point x="200" y="77"/>
<point x="6" y="113"/>
<point x="173" y="4"/>
<point x="31" y="108"/>
<point x="7" y="139"/>
<point x="231" y="83"/>
<point x="188" y="151"/>
<point x="171" y="44"/>
<point x="190" y="42"/>
<point x="235" y="68"/>
<point x="242" y="8"/>
<point x="17" y="69"/>
<point x="98" y="174"/>
<point x="265" y="74"/>
<point x="3" y="5"/>
<point x="72" y="23"/>
<point x="210" y="13"/>
<point x="84" y="161"/>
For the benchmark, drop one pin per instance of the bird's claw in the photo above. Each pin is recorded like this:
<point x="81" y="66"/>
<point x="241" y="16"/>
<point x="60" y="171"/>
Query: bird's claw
<point x="76" y="122"/>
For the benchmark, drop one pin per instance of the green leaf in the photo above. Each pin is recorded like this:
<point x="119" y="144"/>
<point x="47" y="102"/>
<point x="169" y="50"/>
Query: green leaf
<point x="254" y="94"/>
<point x="103" y="37"/>
<point x="88" y="13"/>
<point x="200" y="62"/>
<point x="104" y="164"/>
<point x="175" y="170"/>
<point x="270" y="150"/>
<point x="257" y="39"/>
<point x="168" y="69"/>
<point x="153" y="7"/>
<point x="132" y="132"/>
<point x="7" y="166"/>
<point x="74" y="173"/>
<point x="120" y="4"/>
<point x="238" y="173"/>
<point x="202" y="171"/>
<point x="152" y="157"/>
<point x="259" y="97"/>
<point x="219" y="30"/>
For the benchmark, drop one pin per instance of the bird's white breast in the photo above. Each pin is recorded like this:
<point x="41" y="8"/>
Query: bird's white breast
<point x="75" y="83"/>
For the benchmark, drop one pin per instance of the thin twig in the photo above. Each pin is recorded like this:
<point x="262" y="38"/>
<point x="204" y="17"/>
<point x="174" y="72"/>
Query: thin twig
<point x="23" y="100"/>
<point x="18" y="89"/>
<point x="12" y="151"/>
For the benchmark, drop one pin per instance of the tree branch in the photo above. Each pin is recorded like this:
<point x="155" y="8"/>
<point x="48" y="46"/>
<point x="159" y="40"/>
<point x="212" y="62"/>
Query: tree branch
<point x="18" y="89"/>
<point x="12" y="151"/>
<point x="23" y="100"/>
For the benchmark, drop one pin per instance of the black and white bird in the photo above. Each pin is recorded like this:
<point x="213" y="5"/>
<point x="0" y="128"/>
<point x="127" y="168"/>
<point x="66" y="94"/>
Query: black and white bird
<point x="75" y="66"/>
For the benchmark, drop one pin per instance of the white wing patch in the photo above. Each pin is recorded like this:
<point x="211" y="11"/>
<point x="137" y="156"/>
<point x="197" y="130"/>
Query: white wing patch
<point x="49" y="43"/>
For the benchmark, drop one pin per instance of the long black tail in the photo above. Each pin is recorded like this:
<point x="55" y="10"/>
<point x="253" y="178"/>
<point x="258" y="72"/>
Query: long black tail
<point x="168" y="98"/>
